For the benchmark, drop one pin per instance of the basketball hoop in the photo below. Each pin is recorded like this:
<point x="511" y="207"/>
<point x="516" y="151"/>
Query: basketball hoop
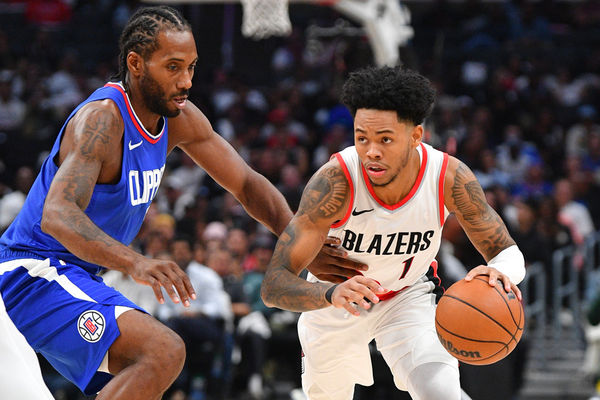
<point x="385" y="22"/>
<point x="265" y="18"/>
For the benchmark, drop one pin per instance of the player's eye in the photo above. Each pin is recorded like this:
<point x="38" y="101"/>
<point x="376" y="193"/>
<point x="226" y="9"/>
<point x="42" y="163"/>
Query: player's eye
<point x="172" y="67"/>
<point x="386" y="140"/>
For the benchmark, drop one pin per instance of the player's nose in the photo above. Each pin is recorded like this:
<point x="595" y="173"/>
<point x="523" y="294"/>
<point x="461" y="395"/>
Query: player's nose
<point x="185" y="82"/>
<point x="373" y="151"/>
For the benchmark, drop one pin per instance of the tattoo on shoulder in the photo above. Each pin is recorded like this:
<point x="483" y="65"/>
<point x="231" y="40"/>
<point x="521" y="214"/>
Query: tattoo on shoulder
<point x="96" y="132"/>
<point x="483" y="224"/>
<point x="325" y="194"/>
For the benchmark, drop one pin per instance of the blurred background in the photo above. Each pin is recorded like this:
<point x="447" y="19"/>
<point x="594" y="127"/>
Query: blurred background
<point x="518" y="87"/>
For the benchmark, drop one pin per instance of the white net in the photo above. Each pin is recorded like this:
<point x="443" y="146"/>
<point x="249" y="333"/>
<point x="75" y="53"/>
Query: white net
<point x="265" y="18"/>
<point x="386" y="22"/>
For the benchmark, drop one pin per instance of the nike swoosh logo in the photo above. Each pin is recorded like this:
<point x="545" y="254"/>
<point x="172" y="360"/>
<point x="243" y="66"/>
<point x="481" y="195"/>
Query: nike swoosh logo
<point x="355" y="213"/>
<point x="133" y="146"/>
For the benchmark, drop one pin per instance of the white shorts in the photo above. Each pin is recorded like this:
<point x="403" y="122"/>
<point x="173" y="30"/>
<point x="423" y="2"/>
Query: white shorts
<point x="335" y="344"/>
<point x="20" y="375"/>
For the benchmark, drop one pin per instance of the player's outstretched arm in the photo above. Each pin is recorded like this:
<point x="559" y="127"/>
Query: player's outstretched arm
<point x="86" y="157"/>
<point x="324" y="201"/>
<point x="464" y="197"/>
<point x="193" y="133"/>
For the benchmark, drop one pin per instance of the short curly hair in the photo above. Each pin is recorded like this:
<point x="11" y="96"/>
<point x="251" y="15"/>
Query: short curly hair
<point x="398" y="89"/>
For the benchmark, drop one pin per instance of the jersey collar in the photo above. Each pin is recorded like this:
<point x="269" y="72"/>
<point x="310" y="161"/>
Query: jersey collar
<point x="134" y="118"/>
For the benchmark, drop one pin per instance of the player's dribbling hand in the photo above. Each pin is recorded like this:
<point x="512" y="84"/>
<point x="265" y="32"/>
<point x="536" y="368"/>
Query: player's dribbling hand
<point x="332" y="264"/>
<point x="494" y="276"/>
<point x="356" y="290"/>
<point x="166" y="274"/>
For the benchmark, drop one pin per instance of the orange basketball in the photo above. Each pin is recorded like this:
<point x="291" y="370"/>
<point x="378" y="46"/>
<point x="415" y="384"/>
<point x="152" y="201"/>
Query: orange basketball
<point x="477" y="323"/>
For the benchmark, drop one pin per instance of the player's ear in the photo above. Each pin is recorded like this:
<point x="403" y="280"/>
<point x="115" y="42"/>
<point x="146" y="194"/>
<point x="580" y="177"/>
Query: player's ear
<point x="416" y="135"/>
<point x="134" y="63"/>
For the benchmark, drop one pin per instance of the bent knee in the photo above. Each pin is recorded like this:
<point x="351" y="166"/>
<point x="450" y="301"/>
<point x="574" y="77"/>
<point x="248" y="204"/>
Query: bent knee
<point x="146" y="341"/>
<point x="171" y="350"/>
<point x="434" y="381"/>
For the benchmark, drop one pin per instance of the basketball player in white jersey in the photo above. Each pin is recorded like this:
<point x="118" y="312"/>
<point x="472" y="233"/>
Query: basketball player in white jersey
<point x="386" y="199"/>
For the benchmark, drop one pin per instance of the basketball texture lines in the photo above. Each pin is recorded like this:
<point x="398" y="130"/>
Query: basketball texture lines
<point x="477" y="323"/>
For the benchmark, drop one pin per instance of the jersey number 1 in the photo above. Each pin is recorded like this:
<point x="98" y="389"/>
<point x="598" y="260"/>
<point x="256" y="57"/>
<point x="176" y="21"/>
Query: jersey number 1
<point x="407" y="264"/>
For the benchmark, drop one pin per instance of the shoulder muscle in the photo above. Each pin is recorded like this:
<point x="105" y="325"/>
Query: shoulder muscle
<point x="94" y="132"/>
<point x="326" y="195"/>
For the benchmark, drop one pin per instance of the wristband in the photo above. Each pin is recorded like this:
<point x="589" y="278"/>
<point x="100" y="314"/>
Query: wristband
<point x="511" y="263"/>
<point x="329" y="293"/>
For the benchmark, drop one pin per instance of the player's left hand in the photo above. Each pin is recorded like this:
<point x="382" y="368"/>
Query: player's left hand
<point x="494" y="276"/>
<point x="332" y="264"/>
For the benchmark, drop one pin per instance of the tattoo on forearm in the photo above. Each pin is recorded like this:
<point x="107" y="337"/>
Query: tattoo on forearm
<point x="484" y="226"/>
<point x="325" y="194"/>
<point x="285" y="289"/>
<point x="86" y="228"/>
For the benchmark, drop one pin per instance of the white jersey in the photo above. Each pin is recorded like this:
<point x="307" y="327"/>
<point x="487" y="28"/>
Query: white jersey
<point x="398" y="242"/>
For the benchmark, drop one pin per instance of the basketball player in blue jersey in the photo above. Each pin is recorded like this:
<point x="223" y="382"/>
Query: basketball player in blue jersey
<point x="88" y="203"/>
<point x="386" y="198"/>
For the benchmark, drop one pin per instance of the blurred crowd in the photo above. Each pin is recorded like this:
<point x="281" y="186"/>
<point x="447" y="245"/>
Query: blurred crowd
<point x="518" y="101"/>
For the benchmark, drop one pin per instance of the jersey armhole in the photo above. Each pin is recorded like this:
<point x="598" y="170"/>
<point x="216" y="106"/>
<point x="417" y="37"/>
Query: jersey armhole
<point x="441" y="178"/>
<point x="349" y="178"/>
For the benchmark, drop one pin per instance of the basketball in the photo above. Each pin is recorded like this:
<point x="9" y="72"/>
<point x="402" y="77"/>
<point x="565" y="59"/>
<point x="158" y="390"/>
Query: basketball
<point x="477" y="323"/>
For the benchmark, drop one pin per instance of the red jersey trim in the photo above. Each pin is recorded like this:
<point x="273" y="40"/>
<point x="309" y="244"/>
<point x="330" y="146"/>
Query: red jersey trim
<point x="441" y="188"/>
<point x="409" y="195"/>
<point x="133" y="117"/>
<point x="349" y="178"/>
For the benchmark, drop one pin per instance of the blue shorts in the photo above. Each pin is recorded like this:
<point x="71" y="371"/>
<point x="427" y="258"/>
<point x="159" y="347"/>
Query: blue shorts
<point x="65" y="313"/>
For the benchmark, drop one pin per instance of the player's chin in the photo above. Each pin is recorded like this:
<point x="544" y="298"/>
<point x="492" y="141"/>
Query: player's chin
<point x="172" y="112"/>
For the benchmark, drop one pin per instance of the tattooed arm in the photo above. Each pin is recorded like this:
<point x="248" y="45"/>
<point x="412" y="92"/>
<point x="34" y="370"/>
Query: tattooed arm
<point x="464" y="197"/>
<point x="90" y="142"/>
<point x="324" y="201"/>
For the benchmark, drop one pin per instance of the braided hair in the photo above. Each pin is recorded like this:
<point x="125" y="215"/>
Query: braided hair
<point x="141" y="34"/>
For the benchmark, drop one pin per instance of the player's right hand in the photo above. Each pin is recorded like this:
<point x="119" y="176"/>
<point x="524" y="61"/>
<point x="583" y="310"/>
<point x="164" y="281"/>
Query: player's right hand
<point x="166" y="274"/>
<point x="358" y="290"/>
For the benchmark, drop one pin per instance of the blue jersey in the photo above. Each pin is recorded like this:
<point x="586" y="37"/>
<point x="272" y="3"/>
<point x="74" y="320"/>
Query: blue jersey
<point x="117" y="209"/>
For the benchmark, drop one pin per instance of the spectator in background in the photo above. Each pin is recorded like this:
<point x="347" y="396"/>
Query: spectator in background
<point x="488" y="174"/>
<point x="335" y="140"/>
<point x="576" y="140"/>
<point x="141" y="295"/>
<point x="571" y="213"/>
<point x="238" y="245"/>
<point x="220" y="260"/>
<point x="535" y="184"/>
<point x="12" y="109"/>
<point x="11" y="203"/>
<point x="516" y="156"/>
<point x="551" y="231"/>
<point x="63" y="88"/>
<point x="48" y="14"/>
<point x="591" y="161"/>
<point x="291" y="185"/>
<point x="254" y="329"/>
<point x="214" y="236"/>
<point x="201" y="326"/>
<point x="526" y="233"/>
